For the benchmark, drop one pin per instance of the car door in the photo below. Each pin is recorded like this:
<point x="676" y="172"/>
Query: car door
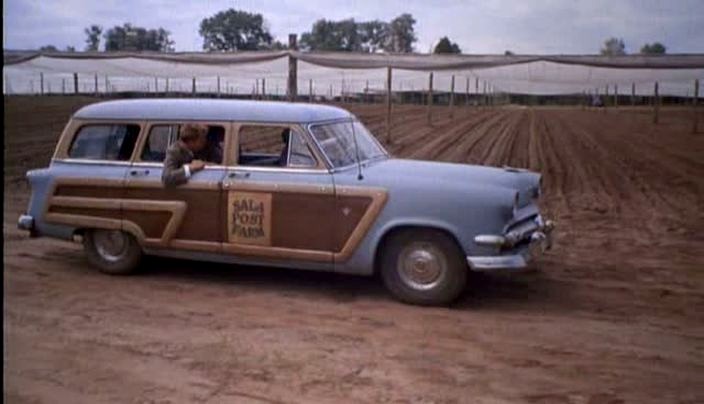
<point x="185" y="217"/>
<point x="278" y="197"/>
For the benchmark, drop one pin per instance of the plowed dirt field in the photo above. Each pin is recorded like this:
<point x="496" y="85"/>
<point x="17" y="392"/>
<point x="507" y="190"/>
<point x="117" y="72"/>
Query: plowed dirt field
<point x="613" y="314"/>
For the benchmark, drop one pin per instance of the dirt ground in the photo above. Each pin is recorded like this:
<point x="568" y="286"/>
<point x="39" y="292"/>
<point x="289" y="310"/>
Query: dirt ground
<point x="613" y="314"/>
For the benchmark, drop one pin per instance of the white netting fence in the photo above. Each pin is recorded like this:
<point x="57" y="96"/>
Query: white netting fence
<point x="335" y="74"/>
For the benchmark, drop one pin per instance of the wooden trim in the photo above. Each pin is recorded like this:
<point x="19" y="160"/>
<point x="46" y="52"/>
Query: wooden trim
<point x="277" y="252"/>
<point x="379" y="197"/>
<point x="209" y="246"/>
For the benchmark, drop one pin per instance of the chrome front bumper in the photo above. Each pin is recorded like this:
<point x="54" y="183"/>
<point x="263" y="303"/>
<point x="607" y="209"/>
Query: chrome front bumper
<point x="538" y="235"/>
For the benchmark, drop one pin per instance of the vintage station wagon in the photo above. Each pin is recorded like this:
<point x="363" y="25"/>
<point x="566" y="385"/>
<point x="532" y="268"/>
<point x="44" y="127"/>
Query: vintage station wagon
<point x="293" y="185"/>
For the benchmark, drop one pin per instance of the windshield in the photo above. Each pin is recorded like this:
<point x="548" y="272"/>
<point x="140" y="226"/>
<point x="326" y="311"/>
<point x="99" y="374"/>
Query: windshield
<point x="338" y="143"/>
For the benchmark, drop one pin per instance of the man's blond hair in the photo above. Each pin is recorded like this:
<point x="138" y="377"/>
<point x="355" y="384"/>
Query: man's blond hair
<point x="192" y="131"/>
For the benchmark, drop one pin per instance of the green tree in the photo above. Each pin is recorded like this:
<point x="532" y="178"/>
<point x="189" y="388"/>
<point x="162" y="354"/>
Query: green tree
<point x="401" y="35"/>
<point x="131" y="38"/>
<point x="70" y="49"/>
<point x="93" y="37"/>
<point x="329" y="35"/>
<point x="656" y="48"/>
<point x="613" y="47"/>
<point x="48" y="48"/>
<point x="508" y="53"/>
<point x="233" y="30"/>
<point x="446" y="46"/>
<point x="373" y="35"/>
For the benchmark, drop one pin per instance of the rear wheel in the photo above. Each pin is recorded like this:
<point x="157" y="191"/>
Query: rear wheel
<point x="423" y="267"/>
<point x="114" y="252"/>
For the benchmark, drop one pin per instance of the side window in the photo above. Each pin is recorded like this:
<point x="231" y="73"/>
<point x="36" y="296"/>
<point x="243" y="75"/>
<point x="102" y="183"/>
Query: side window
<point x="104" y="142"/>
<point x="162" y="136"/>
<point x="299" y="152"/>
<point x="273" y="146"/>
<point x="261" y="145"/>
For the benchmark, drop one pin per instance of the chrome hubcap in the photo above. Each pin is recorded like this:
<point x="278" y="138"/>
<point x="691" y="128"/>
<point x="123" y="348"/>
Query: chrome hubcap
<point x="111" y="244"/>
<point x="421" y="266"/>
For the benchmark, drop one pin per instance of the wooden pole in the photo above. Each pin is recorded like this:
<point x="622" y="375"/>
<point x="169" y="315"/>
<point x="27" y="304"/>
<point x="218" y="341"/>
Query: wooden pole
<point x="218" y="86"/>
<point x="63" y="85"/>
<point x="75" y="83"/>
<point x="388" y="104"/>
<point x="695" y="126"/>
<point x="486" y="100"/>
<point x="615" y="95"/>
<point x="193" y="86"/>
<point x="41" y="83"/>
<point x="430" y="98"/>
<point x="656" y="105"/>
<point x="633" y="94"/>
<point x="156" y="85"/>
<point x="263" y="89"/>
<point x="166" y="86"/>
<point x="466" y="92"/>
<point x="292" y="89"/>
<point x="310" y="90"/>
<point x="451" y="104"/>
<point x="606" y="97"/>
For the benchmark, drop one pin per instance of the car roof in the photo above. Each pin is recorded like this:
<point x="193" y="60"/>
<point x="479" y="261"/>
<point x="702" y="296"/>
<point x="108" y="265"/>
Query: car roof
<point x="204" y="109"/>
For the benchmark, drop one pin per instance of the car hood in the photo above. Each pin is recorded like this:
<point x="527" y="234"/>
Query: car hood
<point x="526" y="183"/>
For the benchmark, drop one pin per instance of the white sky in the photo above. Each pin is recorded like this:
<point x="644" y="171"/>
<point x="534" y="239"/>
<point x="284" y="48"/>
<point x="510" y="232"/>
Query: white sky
<point x="487" y="26"/>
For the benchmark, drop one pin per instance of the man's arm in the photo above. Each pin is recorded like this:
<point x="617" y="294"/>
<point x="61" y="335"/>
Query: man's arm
<point x="176" y="172"/>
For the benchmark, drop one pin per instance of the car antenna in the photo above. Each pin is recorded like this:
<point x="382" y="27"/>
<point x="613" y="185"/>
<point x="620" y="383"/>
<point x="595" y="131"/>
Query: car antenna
<point x="356" y="151"/>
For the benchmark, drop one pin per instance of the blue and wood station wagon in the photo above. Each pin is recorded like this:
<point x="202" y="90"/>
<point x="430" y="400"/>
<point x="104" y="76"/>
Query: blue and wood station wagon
<point x="285" y="184"/>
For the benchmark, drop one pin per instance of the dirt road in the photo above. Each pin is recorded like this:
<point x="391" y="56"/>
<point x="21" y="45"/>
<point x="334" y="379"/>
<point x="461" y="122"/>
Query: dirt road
<point x="615" y="313"/>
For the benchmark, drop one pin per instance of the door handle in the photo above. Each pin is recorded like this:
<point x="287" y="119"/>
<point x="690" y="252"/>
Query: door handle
<point x="137" y="173"/>
<point x="238" y="175"/>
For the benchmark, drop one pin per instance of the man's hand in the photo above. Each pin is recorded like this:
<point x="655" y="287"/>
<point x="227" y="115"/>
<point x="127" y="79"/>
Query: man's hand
<point x="196" y="165"/>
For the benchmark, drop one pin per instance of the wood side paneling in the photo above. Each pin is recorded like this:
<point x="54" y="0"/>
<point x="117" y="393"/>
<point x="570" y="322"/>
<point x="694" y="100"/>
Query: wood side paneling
<point x="303" y="221"/>
<point x="202" y="220"/>
<point x="350" y="210"/>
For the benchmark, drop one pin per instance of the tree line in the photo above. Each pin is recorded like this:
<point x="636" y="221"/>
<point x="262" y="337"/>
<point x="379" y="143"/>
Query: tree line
<point x="236" y="30"/>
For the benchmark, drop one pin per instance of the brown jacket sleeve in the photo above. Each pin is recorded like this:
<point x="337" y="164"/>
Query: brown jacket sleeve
<point x="174" y="174"/>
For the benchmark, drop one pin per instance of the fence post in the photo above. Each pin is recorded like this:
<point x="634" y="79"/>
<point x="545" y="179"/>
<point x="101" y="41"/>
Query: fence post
<point x="292" y="90"/>
<point x="75" y="83"/>
<point x="466" y="92"/>
<point x="656" y="105"/>
<point x="606" y="98"/>
<point x="263" y="89"/>
<point x="451" y="104"/>
<point x="63" y="85"/>
<point x="166" y="86"/>
<point x="193" y="86"/>
<point x="695" y="126"/>
<point x="41" y="83"/>
<point x="430" y="98"/>
<point x="310" y="90"/>
<point x="388" y="104"/>
<point x="615" y="95"/>
<point x="633" y="94"/>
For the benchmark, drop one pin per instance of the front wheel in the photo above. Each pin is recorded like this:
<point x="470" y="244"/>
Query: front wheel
<point x="114" y="252"/>
<point x="423" y="267"/>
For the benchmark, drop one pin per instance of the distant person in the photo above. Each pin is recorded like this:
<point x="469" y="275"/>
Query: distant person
<point x="180" y="164"/>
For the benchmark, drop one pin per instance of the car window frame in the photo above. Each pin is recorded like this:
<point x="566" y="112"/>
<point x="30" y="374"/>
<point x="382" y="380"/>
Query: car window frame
<point x="233" y="151"/>
<point x="331" y="166"/>
<point x="149" y="124"/>
<point x="74" y="126"/>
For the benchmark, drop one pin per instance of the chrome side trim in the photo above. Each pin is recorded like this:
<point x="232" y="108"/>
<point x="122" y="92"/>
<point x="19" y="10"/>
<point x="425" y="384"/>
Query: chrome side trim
<point x="480" y="264"/>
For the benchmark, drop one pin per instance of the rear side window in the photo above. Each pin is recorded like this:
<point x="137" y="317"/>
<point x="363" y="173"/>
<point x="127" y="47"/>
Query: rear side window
<point x="104" y="142"/>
